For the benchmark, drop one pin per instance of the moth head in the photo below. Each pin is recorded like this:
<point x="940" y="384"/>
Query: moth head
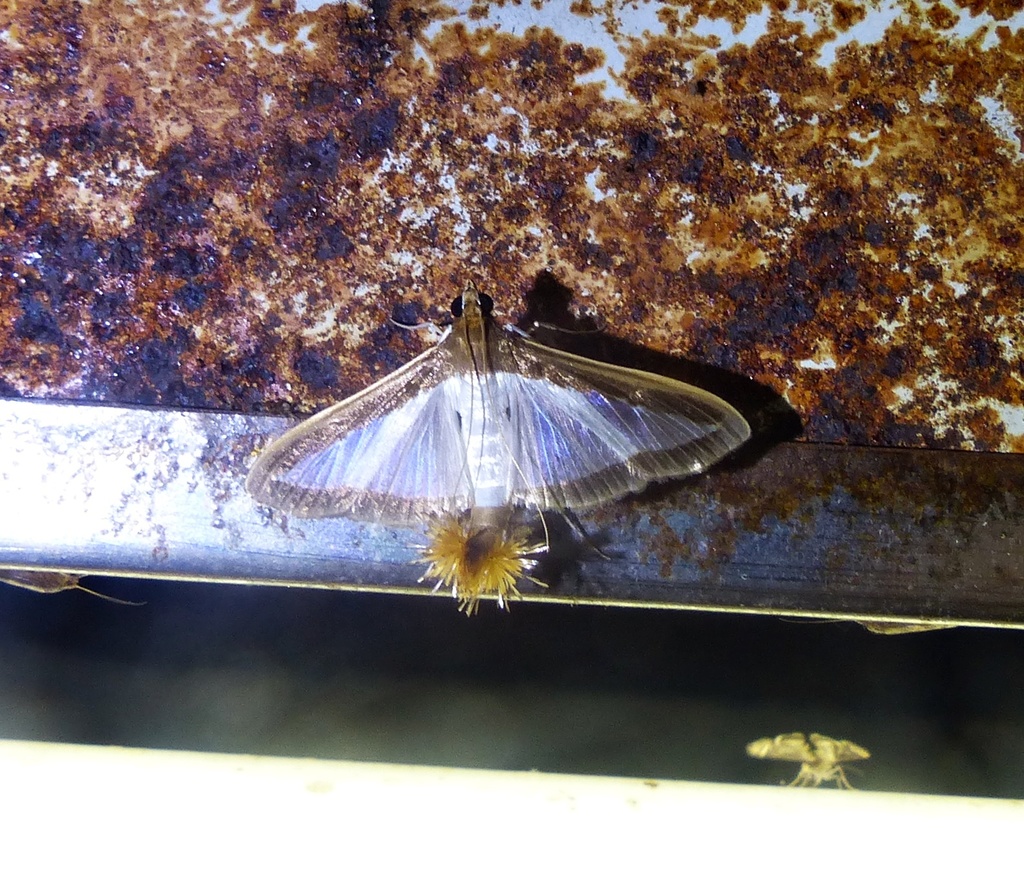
<point x="472" y="303"/>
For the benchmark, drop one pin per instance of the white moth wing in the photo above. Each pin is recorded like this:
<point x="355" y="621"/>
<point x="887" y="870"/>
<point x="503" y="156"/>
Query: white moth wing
<point x="453" y="430"/>
<point x="581" y="432"/>
<point x="392" y="451"/>
<point x="837" y="750"/>
<point x="785" y="747"/>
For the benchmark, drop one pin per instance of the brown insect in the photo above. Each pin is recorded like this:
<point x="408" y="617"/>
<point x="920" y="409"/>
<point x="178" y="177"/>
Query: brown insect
<point x="820" y="757"/>
<point x="904" y="628"/>
<point x="48" y="582"/>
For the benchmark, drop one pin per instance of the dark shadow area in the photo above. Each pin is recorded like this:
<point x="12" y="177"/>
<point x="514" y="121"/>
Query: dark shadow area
<point x="554" y="688"/>
<point x="568" y="546"/>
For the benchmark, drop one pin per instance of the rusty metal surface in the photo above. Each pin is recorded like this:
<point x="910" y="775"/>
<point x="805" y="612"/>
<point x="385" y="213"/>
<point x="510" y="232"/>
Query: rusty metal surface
<point x="222" y="208"/>
<point x="909" y="533"/>
<point x="805" y="530"/>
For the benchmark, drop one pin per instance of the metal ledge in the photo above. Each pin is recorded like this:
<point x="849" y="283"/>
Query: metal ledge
<point x="809" y="530"/>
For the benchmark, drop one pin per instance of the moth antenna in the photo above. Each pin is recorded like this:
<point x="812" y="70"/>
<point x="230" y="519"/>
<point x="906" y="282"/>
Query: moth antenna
<point x="438" y="333"/>
<point x="113" y="600"/>
<point x="543" y="324"/>
<point x="800" y="620"/>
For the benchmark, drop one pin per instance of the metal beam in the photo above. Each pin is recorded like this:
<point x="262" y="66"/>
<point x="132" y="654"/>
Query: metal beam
<point x="803" y="529"/>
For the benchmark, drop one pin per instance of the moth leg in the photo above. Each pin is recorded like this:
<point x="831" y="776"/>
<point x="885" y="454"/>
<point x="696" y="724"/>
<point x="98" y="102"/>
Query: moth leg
<point x="806" y="777"/>
<point x="436" y="333"/>
<point x="577" y="527"/>
<point x="842" y="782"/>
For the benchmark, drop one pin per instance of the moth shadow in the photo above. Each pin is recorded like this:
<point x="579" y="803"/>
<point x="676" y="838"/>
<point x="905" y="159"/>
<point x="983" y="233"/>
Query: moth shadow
<point x="549" y="320"/>
<point x="569" y="547"/>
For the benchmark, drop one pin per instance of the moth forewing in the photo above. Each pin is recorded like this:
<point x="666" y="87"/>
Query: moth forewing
<point x="392" y="451"/>
<point x="830" y="750"/>
<point x="787" y="747"/>
<point x="879" y="627"/>
<point x="42" y="581"/>
<point x="820" y="757"/>
<point x="584" y="432"/>
<point x="52" y="582"/>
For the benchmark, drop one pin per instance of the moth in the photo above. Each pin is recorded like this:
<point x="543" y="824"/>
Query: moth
<point x="820" y="757"/>
<point x="48" y="582"/>
<point x="905" y="628"/>
<point x="490" y="418"/>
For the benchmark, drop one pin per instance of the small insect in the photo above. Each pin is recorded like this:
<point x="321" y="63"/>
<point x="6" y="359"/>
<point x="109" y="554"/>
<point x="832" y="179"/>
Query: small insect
<point x="820" y="757"/>
<point x="480" y="553"/>
<point x="905" y="628"/>
<point x="488" y="419"/>
<point x="46" y="582"/>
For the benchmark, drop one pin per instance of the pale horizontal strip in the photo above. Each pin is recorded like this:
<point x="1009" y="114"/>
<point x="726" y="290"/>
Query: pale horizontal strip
<point x="170" y="822"/>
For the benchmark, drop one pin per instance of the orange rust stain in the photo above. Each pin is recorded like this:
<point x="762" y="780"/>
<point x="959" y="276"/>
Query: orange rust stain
<point x="227" y="213"/>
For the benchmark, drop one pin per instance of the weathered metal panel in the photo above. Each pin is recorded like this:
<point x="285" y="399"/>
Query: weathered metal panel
<point x="224" y="209"/>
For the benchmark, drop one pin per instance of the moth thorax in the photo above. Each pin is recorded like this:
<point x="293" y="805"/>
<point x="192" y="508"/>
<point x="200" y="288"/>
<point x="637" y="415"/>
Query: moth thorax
<point x="470" y="301"/>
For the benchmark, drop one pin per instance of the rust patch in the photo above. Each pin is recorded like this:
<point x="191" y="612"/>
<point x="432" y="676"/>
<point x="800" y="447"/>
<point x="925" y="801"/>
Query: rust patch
<point x="223" y="211"/>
